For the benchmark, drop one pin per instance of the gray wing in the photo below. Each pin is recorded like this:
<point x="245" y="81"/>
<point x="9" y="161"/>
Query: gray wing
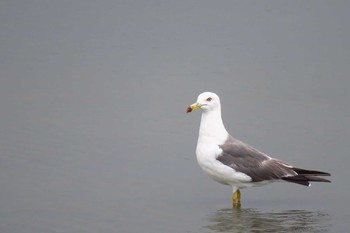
<point x="248" y="160"/>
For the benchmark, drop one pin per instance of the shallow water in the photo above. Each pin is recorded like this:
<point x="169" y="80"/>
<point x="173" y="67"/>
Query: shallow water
<point x="94" y="135"/>
<point x="253" y="220"/>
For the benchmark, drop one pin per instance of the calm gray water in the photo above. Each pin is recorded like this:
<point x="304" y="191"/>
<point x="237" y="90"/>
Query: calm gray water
<point x="94" y="135"/>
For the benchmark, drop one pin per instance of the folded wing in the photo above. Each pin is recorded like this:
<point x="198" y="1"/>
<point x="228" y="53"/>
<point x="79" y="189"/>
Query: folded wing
<point x="260" y="167"/>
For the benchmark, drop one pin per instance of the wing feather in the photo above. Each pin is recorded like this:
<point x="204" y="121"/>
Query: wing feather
<point x="260" y="167"/>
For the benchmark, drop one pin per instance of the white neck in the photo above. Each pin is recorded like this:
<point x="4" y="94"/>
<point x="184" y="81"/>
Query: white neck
<point x="212" y="127"/>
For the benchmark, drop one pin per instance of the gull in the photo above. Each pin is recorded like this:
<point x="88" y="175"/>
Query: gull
<point x="235" y="163"/>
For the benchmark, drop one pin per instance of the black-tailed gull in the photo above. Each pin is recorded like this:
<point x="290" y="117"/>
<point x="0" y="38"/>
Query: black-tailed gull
<point x="235" y="163"/>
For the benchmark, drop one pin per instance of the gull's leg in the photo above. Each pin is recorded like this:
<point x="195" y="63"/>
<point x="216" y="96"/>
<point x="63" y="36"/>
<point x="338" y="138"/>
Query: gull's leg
<point x="236" y="199"/>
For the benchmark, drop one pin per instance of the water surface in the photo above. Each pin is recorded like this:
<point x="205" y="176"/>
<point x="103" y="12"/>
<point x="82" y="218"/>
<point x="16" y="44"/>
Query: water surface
<point x="93" y="131"/>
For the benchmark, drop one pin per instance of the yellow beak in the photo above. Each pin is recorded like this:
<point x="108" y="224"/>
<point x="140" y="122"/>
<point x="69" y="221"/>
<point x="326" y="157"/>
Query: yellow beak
<point x="193" y="107"/>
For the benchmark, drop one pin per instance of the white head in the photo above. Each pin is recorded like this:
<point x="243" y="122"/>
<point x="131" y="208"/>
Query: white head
<point x="211" y="122"/>
<point x="207" y="101"/>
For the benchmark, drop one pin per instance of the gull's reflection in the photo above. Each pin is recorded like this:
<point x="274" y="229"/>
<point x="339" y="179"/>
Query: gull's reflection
<point x="251" y="220"/>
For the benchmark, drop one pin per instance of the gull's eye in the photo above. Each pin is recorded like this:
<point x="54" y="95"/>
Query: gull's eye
<point x="209" y="99"/>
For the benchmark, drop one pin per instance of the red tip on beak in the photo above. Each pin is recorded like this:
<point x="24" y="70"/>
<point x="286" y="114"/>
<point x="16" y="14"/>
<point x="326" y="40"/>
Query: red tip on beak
<point x="189" y="109"/>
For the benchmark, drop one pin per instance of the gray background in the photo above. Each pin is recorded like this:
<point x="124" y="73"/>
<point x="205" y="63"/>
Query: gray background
<point x="93" y="131"/>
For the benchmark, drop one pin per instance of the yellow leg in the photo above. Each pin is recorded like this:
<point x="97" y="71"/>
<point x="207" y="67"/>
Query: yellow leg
<point x="236" y="199"/>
